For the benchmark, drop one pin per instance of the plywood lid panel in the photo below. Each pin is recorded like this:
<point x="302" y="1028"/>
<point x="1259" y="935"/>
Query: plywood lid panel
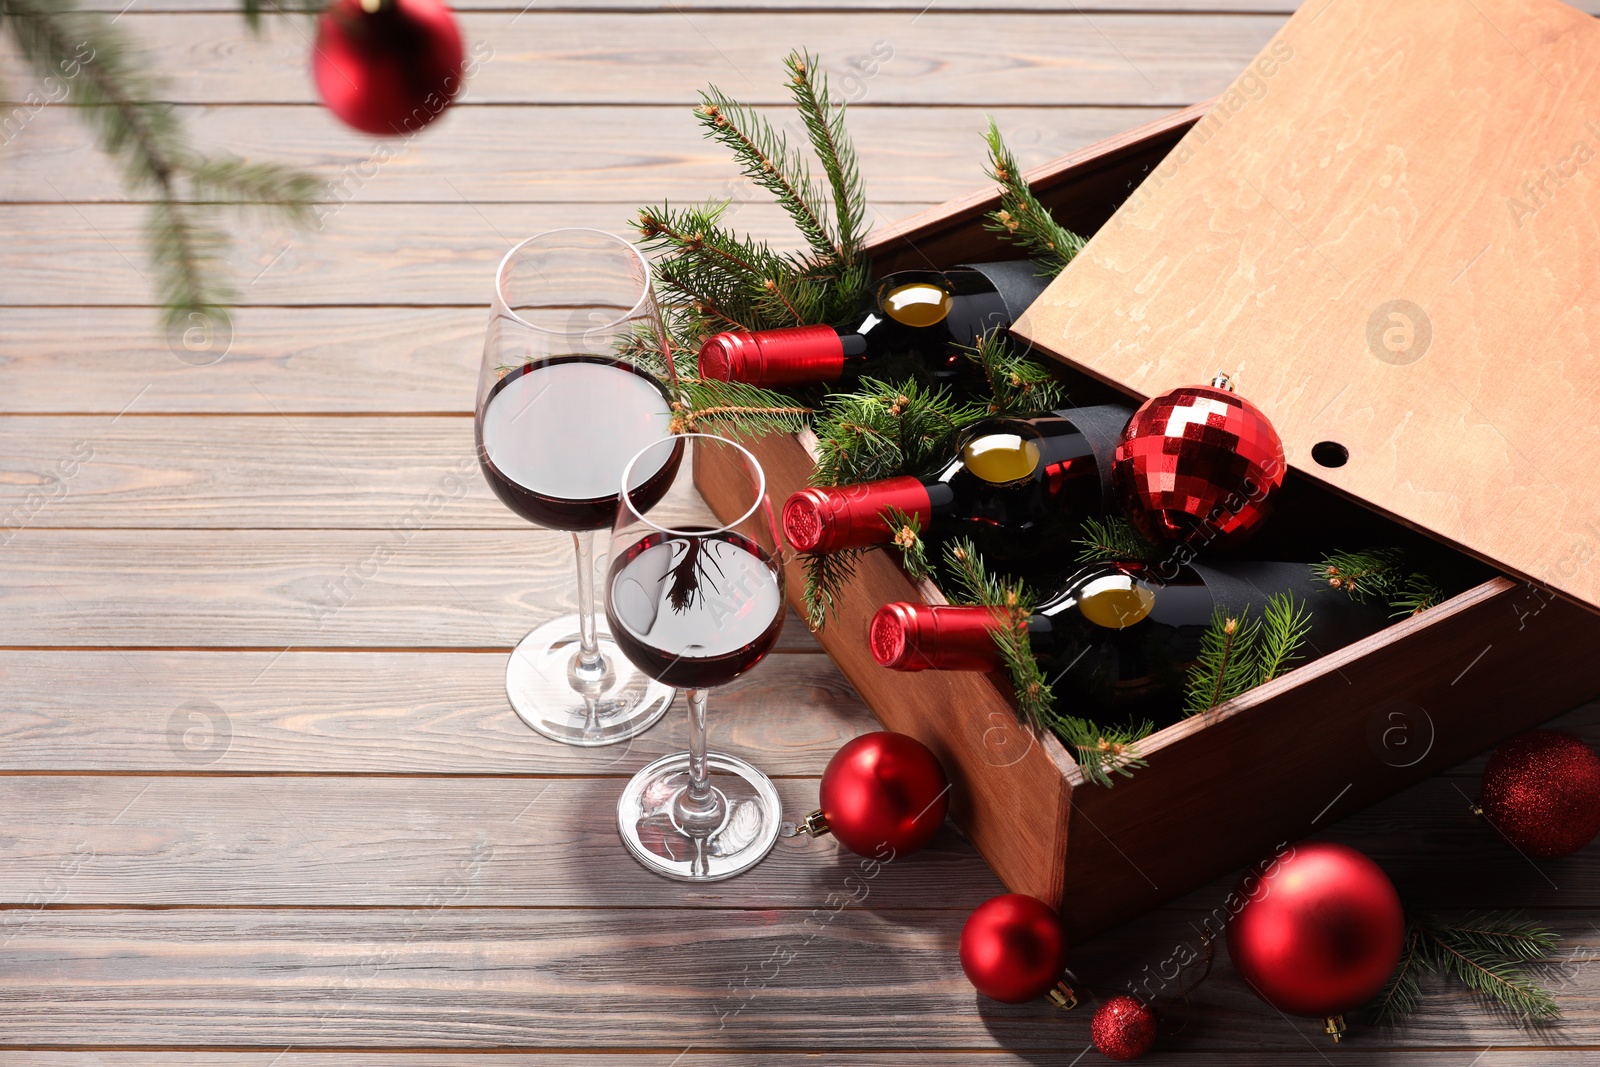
<point x="1388" y="232"/>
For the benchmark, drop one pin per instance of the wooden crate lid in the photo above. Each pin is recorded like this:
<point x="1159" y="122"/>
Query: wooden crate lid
<point x="1388" y="232"/>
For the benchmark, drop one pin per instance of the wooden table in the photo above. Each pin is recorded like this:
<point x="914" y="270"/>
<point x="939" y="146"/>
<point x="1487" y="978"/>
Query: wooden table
<point x="263" y="801"/>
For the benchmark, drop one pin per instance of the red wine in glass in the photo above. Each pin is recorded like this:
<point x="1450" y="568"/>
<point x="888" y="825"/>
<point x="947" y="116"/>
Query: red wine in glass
<point x="694" y="610"/>
<point x="550" y="459"/>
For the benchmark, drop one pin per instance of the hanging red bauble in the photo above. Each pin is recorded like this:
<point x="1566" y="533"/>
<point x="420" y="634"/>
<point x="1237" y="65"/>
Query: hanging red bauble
<point x="1014" y="948"/>
<point x="1541" y="790"/>
<point x="1123" y="1028"/>
<point x="1320" y="933"/>
<point x="881" y="791"/>
<point x="1199" y="466"/>
<point x="387" y="66"/>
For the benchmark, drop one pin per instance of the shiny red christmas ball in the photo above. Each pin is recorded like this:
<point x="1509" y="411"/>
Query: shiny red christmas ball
<point x="1123" y="1028"/>
<point x="1321" y="933"/>
<point x="1199" y="466"/>
<point x="1013" y="948"/>
<point x="1541" y="790"/>
<point x="387" y="66"/>
<point x="884" y="790"/>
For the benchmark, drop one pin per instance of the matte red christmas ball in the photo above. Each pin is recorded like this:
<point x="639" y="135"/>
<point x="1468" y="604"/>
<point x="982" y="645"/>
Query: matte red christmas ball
<point x="1541" y="790"/>
<point x="1123" y="1028"/>
<point x="884" y="790"/>
<point x="1320" y="933"/>
<point x="387" y="66"/>
<point x="1014" y="948"/>
<point x="1199" y="466"/>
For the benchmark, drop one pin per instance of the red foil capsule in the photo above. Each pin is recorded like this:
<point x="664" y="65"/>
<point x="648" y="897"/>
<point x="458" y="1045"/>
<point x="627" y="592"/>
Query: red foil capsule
<point x="940" y="637"/>
<point x="794" y="356"/>
<point x="851" y="516"/>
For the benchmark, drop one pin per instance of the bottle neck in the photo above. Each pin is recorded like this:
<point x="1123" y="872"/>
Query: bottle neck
<point x="798" y="355"/>
<point x="854" y="516"/>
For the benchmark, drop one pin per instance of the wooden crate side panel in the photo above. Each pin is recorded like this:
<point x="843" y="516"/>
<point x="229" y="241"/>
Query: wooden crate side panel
<point x="1081" y="189"/>
<point x="1290" y="760"/>
<point x="1008" y="791"/>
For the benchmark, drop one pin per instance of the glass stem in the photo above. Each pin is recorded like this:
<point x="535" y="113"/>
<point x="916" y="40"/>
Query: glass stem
<point x="699" y="779"/>
<point x="589" y="662"/>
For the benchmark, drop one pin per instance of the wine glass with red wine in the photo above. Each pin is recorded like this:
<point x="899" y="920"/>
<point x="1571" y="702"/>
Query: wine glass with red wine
<point x="559" y="416"/>
<point x="695" y="605"/>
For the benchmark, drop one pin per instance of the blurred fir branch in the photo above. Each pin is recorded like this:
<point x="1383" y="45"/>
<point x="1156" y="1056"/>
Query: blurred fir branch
<point x="118" y="99"/>
<point x="1488" y="952"/>
<point x="1021" y="218"/>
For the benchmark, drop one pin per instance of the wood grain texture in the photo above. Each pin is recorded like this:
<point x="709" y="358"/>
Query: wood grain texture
<point x="634" y="154"/>
<point x="67" y="255"/>
<point x="1326" y="186"/>
<point x="537" y="56"/>
<point x="273" y="589"/>
<point x="714" y="979"/>
<point x="277" y="360"/>
<point x="405" y="842"/>
<point x="1305" y="1057"/>
<point x="372" y="713"/>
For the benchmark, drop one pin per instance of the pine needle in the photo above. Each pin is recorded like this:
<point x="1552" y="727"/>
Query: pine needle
<point x="908" y="539"/>
<point x="734" y="408"/>
<point x="1488" y="952"/>
<point x="885" y="429"/>
<point x="1018" y="383"/>
<point x="1021" y="218"/>
<point x="1285" y="625"/>
<point x="827" y="578"/>
<point x="1385" y="573"/>
<point x="1112" y="540"/>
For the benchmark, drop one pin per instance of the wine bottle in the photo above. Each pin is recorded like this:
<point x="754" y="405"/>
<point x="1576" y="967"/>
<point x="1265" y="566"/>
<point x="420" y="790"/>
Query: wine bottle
<point x="1015" y="486"/>
<point x="1116" y="642"/>
<point x="925" y="314"/>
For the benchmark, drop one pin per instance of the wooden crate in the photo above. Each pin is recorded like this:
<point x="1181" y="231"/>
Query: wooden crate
<point x="1222" y="789"/>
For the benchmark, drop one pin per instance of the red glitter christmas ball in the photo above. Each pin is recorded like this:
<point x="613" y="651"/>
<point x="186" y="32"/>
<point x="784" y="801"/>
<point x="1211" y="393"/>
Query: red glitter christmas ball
<point x="1013" y="948"/>
<point x="1198" y="466"/>
<point x="1541" y="790"/>
<point x="1320" y="933"/>
<point x="1123" y="1028"/>
<point x="387" y="66"/>
<point x="884" y="790"/>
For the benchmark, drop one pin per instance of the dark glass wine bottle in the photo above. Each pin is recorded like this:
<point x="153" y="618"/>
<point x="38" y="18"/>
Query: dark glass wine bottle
<point x="1015" y="487"/>
<point x="1116" y="642"/>
<point x="927" y="315"/>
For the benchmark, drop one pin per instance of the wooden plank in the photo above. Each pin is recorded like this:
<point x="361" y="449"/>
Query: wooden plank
<point x="908" y="7"/>
<point x="398" y="842"/>
<point x="372" y="713"/>
<point x="364" y="255"/>
<point x="274" y="360"/>
<point x="1313" y="1057"/>
<point x="276" y="589"/>
<point x="1412" y="299"/>
<point x="717" y="980"/>
<point x="537" y="56"/>
<point x="632" y="154"/>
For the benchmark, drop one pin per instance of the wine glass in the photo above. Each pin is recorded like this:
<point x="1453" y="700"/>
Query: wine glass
<point x="696" y="605"/>
<point x="559" y="415"/>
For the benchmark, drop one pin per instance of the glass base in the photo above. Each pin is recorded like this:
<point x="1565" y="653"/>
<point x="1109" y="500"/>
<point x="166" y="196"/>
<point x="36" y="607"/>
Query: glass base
<point x="549" y="693"/>
<point x="650" y="816"/>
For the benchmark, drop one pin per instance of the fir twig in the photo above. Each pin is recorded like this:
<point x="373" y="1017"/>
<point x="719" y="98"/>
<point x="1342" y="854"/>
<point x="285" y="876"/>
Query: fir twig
<point x="734" y="408"/>
<point x="1385" y="573"/>
<point x="1488" y="952"/>
<point x="1111" y="540"/>
<point x="831" y="141"/>
<point x="908" y="539"/>
<point x="1021" y="218"/>
<point x="1100" y="752"/>
<point x="118" y="99"/>
<point x="827" y="576"/>
<point x="1018" y="384"/>
<point x="1223" y="668"/>
<point x="885" y="429"/>
<point x="1285" y="624"/>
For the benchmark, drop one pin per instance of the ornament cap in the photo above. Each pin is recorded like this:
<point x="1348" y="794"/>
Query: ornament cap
<point x="1222" y="381"/>
<point x="1063" y="996"/>
<point x="1334" y="1027"/>
<point x="814" y="825"/>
